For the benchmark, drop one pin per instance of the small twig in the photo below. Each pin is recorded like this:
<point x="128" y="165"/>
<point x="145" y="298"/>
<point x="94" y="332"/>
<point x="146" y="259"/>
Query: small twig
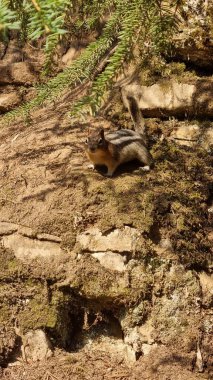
<point x="48" y="373"/>
<point x="36" y="5"/>
<point x="25" y="181"/>
<point x="38" y="8"/>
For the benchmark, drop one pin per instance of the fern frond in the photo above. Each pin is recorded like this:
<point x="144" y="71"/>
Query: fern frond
<point x="81" y="70"/>
<point x="149" y="24"/>
<point x="8" y="19"/>
<point x="50" y="47"/>
<point x="156" y="23"/>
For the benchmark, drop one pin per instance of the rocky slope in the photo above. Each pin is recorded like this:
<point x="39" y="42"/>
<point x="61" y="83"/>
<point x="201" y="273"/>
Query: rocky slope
<point x="108" y="277"/>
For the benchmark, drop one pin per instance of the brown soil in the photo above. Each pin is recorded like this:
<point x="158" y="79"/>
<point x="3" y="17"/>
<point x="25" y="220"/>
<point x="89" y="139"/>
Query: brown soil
<point x="100" y="365"/>
<point x="45" y="184"/>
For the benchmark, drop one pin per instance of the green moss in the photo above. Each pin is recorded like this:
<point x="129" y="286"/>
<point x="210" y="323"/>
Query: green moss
<point x="164" y="70"/>
<point x="107" y="289"/>
<point x="40" y="312"/>
<point x="10" y="267"/>
<point x="37" y="315"/>
<point x="50" y="313"/>
<point x="172" y="196"/>
<point x="122" y="198"/>
<point x="13" y="265"/>
<point x="173" y="316"/>
<point x="180" y="187"/>
<point x="102" y="287"/>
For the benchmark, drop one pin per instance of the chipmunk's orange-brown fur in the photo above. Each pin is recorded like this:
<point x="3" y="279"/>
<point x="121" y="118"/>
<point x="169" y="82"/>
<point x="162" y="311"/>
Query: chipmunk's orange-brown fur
<point x="114" y="148"/>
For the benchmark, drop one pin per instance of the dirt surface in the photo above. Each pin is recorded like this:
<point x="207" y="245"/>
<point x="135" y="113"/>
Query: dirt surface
<point x="150" y="320"/>
<point x="106" y="278"/>
<point x="50" y="196"/>
<point x="102" y="366"/>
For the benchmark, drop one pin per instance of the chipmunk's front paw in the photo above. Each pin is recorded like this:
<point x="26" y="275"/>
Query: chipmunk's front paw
<point x="109" y="173"/>
<point x="144" y="168"/>
<point x="91" y="166"/>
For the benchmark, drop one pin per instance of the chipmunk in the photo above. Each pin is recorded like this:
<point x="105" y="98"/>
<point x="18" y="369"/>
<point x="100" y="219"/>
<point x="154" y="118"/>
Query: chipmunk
<point x="114" y="148"/>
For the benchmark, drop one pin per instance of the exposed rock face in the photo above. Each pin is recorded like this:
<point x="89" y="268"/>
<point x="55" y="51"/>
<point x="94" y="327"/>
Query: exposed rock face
<point x="9" y="101"/>
<point x="206" y="282"/>
<point x="199" y="54"/>
<point x="28" y="249"/>
<point x="72" y="53"/>
<point x="187" y="135"/>
<point x="194" y="43"/>
<point x="116" y="271"/>
<point x="108" y="253"/>
<point x="36" y="346"/>
<point x="19" y="66"/>
<point x="27" y="245"/>
<point x="111" y="260"/>
<point x="172" y="98"/>
<point x="193" y="135"/>
<point x="117" y="240"/>
<point x="17" y="73"/>
<point x="7" y="228"/>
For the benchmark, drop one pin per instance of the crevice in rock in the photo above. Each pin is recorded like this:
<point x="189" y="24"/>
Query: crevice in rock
<point x="209" y="201"/>
<point x="4" y="50"/>
<point x="154" y="233"/>
<point x="191" y="67"/>
<point x="108" y="231"/>
<point x="93" y="325"/>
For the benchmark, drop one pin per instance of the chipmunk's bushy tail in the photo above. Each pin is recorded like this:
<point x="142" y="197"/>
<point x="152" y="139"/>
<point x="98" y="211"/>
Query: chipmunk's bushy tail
<point x="137" y="117"/>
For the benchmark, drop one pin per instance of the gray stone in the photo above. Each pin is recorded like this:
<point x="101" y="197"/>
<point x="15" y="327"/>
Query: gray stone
<point x="192" y="134"/>
<point x="119" y="240"/>
<point x="13" y="53"/>
<point x="172" y="98"/>
<point x="146" y="331"/>
<point x="166" y="244"/>
<point x="134" y="342"/>
<point x="133" y="339"/>
<point x="200" y="55"/>
<point x="17" y="73"/>
<point x="129" y="355"/>
<point x="147" y="348"/>
<point x="71" y="54"/>
<point x="206" y="282"/>
<point x="178" y="306"/>
<point x="26" y="231"/>
<point x="111" y="260"/>
<point x="27" y="249"/>
<point x="49" y="237"/>
<point x="193" y="43"/>
<point x="36" y="346"/>
<point x="210" y="210"/>
<point x="9" y="100"/>
<point x="207" y="139"/>
<point x="7" y="228"/>
<point x="187" y="134"/>
<point x="199" y="360"/>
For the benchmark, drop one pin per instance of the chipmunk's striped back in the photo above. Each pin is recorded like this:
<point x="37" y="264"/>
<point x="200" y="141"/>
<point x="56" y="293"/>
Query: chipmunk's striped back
<point x="114" y="148"/>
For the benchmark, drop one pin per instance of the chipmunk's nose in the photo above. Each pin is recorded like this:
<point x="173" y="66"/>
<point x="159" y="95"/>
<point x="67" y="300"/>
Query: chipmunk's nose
<point x="92" y="149"/>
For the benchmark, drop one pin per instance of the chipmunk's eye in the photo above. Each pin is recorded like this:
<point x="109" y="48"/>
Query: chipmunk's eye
<point x="100" y="141"/>
<point x="86" y="141"/>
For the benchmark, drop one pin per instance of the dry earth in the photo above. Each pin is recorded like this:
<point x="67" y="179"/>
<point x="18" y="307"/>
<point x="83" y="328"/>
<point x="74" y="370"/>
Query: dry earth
<point x="109" y="278"/>
<point x="59" y="219"/>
